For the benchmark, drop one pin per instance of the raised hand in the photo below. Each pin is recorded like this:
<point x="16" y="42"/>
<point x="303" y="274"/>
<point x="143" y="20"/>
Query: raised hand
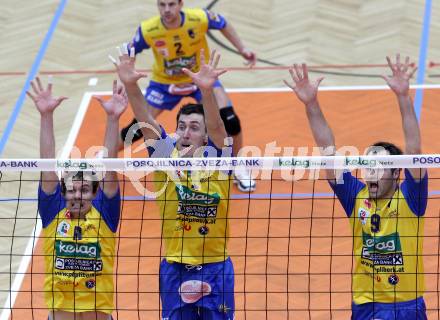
<point x="42" y="98"/>
<point x="117" y="104"/>
<point x="304" y="89"/>
<point x="208" y="73"/>
<point x="250" y="56"/>
<point x="126" y="66"/>
<point x="399" y="81"/>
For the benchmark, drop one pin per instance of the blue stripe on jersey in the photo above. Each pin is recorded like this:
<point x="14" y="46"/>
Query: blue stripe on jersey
<point x="415" y="193"/>
<point x="139" y="42"/>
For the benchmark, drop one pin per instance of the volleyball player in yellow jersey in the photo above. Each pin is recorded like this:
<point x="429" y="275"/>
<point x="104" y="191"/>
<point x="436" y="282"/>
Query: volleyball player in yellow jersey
<point x="196" y="276"/>
<point x="386" y="217"/>
<point x="80" y="216"/>
<point x="176" y="37"/>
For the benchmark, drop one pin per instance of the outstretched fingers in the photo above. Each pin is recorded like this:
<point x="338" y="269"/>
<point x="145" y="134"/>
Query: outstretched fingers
<point x="202" y="57"/>
<point x="293" y="75"/>
<point x="216" y="58"/>
<point x="412" y="72"/>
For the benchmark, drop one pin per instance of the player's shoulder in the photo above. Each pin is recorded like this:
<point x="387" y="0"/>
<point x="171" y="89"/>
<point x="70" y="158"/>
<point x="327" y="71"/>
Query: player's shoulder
<point x="151" y="24"/>
<point x="195" y="14"/>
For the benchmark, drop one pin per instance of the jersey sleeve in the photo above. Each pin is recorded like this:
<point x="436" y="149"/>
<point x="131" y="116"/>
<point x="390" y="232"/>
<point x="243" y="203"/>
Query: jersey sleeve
<point x="347" y="191"/>
<point x="415" y="193"/>
<point x="109" y="208"/>
<point x="49" y="205"/>
<point x="162" y="147"/>
<point x="139" y="42"/>
<point x="215" y="20"/>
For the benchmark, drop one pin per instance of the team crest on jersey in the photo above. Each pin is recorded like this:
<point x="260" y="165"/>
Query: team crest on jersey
<point x="63" y="229"/>
<point x="363" y="215"/>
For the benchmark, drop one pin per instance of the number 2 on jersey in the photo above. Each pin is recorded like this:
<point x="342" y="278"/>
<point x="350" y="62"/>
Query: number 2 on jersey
<point x="179" y="51"/>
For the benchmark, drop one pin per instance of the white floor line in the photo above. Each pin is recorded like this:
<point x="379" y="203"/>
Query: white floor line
<point x="323" y="88"/>
<point x="27" y="257"/>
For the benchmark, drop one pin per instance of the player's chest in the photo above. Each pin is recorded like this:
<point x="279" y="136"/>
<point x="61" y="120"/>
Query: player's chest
<point x="77" y="229"/>
<point x="178" y="43"/>
<point x="378" y="218"/>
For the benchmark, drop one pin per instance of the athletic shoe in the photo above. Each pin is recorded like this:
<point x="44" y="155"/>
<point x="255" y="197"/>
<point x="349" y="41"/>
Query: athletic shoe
<point x="244" y="181"/>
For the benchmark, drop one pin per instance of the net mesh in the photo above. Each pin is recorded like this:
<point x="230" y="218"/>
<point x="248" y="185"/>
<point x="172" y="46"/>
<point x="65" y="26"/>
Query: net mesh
<point x="290" y="242"/>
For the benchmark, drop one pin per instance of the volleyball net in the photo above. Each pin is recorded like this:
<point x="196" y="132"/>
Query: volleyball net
<point x="290" y="242"/>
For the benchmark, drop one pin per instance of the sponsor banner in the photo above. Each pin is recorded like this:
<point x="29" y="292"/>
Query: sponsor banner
<point x="226" y="163"/>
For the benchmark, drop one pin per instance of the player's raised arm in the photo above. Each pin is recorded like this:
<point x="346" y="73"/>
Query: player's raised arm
<point x="114" y="108"/>
<point x="229" y="32"/>
<point x="399" y="84"/>
<point x="129" y="77"/>
<point x="46" y="105"/>
<point x="205" y="79"/>
<point x="307" y="93"/>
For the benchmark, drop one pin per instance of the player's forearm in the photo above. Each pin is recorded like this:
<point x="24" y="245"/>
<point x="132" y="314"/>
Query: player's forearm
<point x="410" y="125"/>
<point x="49" y="179"/>
<point x="110" y="183"/>
<point x="230" y="34"/>
<point x="112" y="136"/>
<point x="214" y="123"/>
<point x="322" y="133"/>
<point x="47" y="137"/>
<point x="140" y="110"/>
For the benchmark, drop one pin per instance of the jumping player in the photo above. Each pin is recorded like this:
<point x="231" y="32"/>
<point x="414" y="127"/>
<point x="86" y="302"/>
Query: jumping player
<point x="80" y="216"/>
<point x="386" y="216"/>
<point x="176" y="37"/>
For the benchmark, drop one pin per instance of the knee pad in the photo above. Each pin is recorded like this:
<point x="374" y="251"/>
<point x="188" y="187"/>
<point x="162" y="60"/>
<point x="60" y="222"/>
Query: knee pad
<point x="135" y="131"/>
<point x="231" y="121"/>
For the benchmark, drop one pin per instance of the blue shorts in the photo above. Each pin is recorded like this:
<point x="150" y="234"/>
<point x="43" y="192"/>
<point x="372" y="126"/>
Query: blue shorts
<point x="157" y="95"/>
<point x="408" y="310"/>
<point x="191" y="292"/>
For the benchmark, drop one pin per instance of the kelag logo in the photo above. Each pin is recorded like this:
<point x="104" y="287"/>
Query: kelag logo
<point x="191" y="197"/>
<point x="72" y="164"/>
<point x="385" y="244"/>
<point x="77" y="250"/>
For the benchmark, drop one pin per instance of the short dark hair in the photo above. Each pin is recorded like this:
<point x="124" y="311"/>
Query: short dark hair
<point x="81" y="176"/>
<point x="388" y="146"/>
<point x="190" y="108"/>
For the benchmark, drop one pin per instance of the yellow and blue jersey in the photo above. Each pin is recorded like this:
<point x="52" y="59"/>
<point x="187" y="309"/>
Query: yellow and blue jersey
<point x="387" y="239"/>
<point x="79" y="253"/>
<point x="178" y="48"/>
<point x="194" y="209"/>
